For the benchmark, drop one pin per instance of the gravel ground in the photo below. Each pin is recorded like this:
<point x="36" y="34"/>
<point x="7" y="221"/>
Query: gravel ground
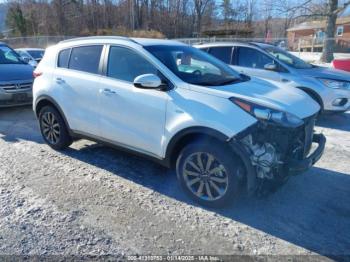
<point x="92" y="200"/>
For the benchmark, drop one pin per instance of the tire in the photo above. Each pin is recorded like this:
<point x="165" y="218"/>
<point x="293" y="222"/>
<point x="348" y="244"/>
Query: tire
<point x="224" y="171"/>
<point x="53" y="128"/>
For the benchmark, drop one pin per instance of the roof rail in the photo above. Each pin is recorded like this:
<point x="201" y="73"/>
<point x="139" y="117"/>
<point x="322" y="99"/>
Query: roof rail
<point x="98" y="37"/>
<point x="256" y="43"/>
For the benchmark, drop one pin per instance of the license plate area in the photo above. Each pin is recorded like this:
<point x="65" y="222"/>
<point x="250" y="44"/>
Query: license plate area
<point x="21" y="97"/>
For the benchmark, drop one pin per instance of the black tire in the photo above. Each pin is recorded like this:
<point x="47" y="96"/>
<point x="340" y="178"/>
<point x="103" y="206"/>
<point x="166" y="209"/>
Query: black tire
<point x="59" y="138"/>
<point x="232" y="173"/>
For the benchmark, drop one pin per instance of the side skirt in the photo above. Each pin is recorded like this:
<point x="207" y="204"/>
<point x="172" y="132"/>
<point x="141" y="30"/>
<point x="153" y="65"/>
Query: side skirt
<point x="120" y="147"/>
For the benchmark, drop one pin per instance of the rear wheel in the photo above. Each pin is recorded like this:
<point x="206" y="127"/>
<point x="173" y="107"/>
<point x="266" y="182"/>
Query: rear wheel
<point x="53" y="128"/>
<point x="209" y="173"/>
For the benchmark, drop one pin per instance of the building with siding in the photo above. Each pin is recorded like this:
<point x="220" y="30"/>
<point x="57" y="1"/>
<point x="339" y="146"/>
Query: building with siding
<point x="309" y="36"/>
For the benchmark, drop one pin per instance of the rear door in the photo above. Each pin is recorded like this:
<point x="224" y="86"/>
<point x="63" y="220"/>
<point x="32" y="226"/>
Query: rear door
<point x="223" y="53"/>
<point x="251" y="61"/>
<point x="131" y="117"/>
<point x="76" y="83"/>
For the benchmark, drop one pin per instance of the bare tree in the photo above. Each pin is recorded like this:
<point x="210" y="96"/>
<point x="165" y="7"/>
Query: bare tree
<point x="329" y="43"/>
<point x="200" y="7"/>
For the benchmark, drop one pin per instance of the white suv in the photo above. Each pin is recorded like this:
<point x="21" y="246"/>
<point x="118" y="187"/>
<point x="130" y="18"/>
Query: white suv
<point x="179" y="106"/>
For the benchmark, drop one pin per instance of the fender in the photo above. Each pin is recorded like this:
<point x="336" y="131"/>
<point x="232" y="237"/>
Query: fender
<point x="196" y="130"/>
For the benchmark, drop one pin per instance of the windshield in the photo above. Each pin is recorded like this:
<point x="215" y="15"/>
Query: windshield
<point x="287" y="58"/>
<point x="194" y="66"/>
<point x="8" y="56"/>
<point x="36" y="54"/>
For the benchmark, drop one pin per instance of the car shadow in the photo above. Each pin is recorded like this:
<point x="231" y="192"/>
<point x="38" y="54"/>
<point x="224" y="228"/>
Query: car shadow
<point x="19" y="123"/>
<point x="335" y="121"/>
<point x="311" y="210"/>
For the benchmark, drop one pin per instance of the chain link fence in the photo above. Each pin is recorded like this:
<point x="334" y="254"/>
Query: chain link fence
<point x="308" y="48"/>
<point x="34" y="42"/>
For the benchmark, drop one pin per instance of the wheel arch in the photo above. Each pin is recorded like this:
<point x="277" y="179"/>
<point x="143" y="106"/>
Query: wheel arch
<point x="313" y="95"/>
<point x="185" y="136"/>
<point x="45" y="100"/>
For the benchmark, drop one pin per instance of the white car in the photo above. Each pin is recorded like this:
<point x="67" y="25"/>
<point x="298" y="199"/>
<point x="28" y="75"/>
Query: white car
<point x="31" y="55"/>
<point x="330" y="88"/>
<point x="180" y="107"/>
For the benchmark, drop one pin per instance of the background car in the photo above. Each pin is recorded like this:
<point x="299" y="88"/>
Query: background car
<point x="31" y="55"/>
<point x="16" y="78"/>
<point x="330" y="88"/>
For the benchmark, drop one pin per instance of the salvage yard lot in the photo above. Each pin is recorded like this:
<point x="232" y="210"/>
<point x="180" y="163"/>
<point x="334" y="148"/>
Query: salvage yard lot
<point x="94" y="200"/>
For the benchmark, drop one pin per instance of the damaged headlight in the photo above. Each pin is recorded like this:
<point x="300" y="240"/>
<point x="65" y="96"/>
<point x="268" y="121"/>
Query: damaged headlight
<point x="335" y="84"/>
<point x="281" y="118"/>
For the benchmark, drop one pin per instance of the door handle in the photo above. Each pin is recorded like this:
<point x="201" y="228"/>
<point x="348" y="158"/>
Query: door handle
<point x="107" y="91"/>
<point x="59" y="80"/>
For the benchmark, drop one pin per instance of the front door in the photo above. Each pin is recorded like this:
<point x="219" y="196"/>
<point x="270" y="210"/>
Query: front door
<point x="130" y="116"/>
<point x="250" y="61"/>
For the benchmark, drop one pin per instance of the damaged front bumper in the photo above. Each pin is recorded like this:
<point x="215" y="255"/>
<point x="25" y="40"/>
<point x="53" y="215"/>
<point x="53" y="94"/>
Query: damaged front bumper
<point x="272" y="153"/>
<point x="298" y="166"/>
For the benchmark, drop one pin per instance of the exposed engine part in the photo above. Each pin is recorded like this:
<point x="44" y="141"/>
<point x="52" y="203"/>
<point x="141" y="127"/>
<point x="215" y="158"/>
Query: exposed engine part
<point x="263" y="156"/>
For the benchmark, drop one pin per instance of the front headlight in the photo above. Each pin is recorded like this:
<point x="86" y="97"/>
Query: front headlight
<point x="262" y="113"/>
<point x="336" y="84"/>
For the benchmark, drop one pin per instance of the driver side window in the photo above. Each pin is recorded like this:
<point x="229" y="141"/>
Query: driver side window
<point x="125" y="64"/>
<point x="252" y="58"/>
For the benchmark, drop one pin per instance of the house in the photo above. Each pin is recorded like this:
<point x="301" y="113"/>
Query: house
<point x="309" y="36"/>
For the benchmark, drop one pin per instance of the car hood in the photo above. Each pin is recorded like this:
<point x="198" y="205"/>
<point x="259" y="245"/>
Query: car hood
<point x="267" y="93"/>
<point x="324" y="72"/>
<point x="10" y="72"/>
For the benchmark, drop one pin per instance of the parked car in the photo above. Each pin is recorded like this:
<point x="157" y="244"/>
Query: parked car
<point x="218" y="129"/>
<point x="16" y="78"/>
<point x="31" y="55"/>
<point x="342" y="64"/>
<point x="330" y="88"/>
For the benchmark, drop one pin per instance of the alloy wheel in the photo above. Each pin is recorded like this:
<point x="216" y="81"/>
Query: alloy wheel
<point x="205" y="176"/>
<point x="50" y="127"/>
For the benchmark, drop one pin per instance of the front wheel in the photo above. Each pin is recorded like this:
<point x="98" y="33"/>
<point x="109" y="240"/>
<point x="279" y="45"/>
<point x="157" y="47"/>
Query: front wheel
<point x="209" y="173"/>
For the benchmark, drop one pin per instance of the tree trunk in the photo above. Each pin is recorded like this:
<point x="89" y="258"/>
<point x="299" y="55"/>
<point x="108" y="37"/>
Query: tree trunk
<point x="329" y="42"/>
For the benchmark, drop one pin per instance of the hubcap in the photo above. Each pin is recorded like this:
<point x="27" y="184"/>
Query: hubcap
<point x="50" y="128"/>
<point x="205" y="176"/>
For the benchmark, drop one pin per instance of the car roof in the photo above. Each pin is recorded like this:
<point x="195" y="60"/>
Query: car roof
<point x="113" y="39"/>
<point x="30" y="49"/>
<point x="234" y="43"/>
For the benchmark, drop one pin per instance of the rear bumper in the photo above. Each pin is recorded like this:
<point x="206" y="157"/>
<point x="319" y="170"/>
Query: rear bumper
<point x="298" y="166"/>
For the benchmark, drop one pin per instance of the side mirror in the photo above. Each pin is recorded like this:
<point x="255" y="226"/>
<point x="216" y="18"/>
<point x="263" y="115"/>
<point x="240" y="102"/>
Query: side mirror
<point x="270" y="66"/>
<point x="147" y="81"/>
<point x="25" y="59"/>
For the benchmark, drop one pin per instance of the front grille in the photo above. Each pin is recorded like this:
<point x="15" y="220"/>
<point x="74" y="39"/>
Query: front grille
<point x="16" y="87"/>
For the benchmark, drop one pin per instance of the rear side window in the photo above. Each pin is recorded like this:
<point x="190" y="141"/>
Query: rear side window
<point x="125" y="64"/>
<point x="223" y="53"/>
<point x="85" y="58"/>
<point x="63" y="58"/>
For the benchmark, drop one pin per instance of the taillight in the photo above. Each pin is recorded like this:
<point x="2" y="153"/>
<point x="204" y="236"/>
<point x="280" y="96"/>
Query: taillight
<point x="36" y="74"/>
